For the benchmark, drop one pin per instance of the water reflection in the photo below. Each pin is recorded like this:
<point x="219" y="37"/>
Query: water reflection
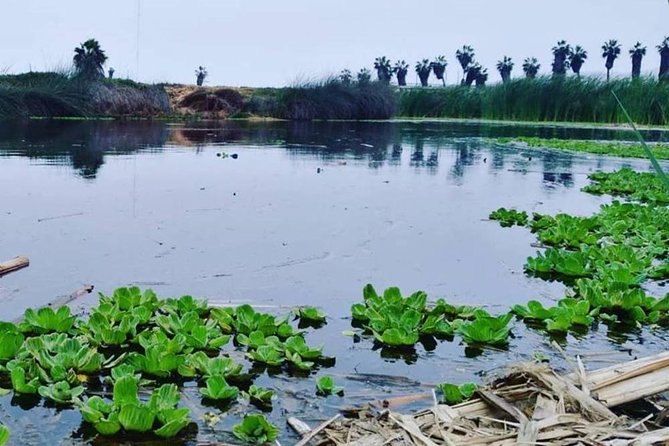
<point x="83" y="145"/>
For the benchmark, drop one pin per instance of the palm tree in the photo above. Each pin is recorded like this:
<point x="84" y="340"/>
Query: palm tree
<point x="345" y="77"/>
<point x="201" y="74"/>
<point x="504" y="67"/>
<point x="423" y="69"/>
<point x="531" y="67"/>
<point x="384" y="69"/>
<point x="364" y="76"/>
<point x="401" y="69"/>
<point x="111" y="72"/>
<point x="663" y="49"/>
<point x="610" y="51"/>
<point x="439" y="67"/>
<point x="560" y="53"/>
<point x="465" y="56"/>
<point x="576" y="58"/>
<point x="89" y="59"/>
<point x="472" y="73"/>
<point x="636" y="53"/>
<point x="482" y="77"/>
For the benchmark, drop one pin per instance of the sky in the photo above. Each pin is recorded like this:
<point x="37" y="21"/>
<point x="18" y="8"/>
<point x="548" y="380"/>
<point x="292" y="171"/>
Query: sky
<point x="277" y="43"/>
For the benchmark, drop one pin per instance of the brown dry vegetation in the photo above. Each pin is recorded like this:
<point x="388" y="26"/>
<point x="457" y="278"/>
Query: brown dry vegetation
<point x="207" y="102"/>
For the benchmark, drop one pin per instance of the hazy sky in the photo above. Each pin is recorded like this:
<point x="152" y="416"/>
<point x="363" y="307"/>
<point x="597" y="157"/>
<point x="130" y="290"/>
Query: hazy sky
<point x="273" y="43"/>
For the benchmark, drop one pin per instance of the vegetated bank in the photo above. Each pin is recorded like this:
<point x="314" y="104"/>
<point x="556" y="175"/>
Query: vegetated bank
<point x="547" y="99"/>
<point x="550" y="99"/>
<point x="621" y="149"/>
<point x="51" y="94"/>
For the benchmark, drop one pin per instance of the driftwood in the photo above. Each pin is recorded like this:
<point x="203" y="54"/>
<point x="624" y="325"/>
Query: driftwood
<point x="530" y="405"/>
<point x="64" y="300"/>
<point x="14" y="264"/>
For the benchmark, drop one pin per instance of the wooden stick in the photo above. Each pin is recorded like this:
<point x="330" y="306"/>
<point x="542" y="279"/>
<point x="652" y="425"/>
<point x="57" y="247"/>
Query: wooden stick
<point x="307" y="438"/>
<point x="299" y="426"/>
<point x="60" y="301"/>
<point x="14" y="264"/>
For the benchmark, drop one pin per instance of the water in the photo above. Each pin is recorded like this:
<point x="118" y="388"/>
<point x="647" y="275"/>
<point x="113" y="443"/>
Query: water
<point x="307" y="213"/>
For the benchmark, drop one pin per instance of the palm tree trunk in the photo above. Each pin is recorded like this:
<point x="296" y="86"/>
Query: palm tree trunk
<point x="608" y="74"/>
<point x="443" y="80"/>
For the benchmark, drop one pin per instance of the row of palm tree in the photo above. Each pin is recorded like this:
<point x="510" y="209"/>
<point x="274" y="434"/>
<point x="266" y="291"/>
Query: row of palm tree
<point x="565" y="57"/>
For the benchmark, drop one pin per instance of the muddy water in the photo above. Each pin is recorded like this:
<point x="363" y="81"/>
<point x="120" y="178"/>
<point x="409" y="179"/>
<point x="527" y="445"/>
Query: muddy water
<point x="304" y="214"/>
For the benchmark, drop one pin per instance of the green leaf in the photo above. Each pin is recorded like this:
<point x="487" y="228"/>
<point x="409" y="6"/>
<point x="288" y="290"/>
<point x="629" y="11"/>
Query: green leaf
<point x="125" y="391"/>
<point x="109" y="426"/>
<point x="218" y="389"/>
<point x="138" y="418"/>
<point x="326" y="386"/>
<point x="255" y="429"/>
<point x="4" y="434"/>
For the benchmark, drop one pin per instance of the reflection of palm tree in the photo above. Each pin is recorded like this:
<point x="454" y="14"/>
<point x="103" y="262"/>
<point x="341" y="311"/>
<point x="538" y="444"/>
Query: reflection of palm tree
<point x="417" y="154"/>
<point x="610" y="51"/>
<point x="636" y="53"/>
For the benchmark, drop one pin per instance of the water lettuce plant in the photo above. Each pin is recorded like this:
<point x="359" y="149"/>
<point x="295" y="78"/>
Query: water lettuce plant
<point x="260" y="397"/>
<point x="255" y="429"/>
<point x="453" y="394"/>
<point x="132" y="336"/>
<point x="509" y="217"/>
<point x="486" y="330"/>
<point x="11" y="341"/>
<point x="159" y="415"/>
<point x="60" y="392"/>
<point x="326" y="386"/>
<point x="47" y="320"/>
<point x="311" y="315"/>
<point x="217" y="388"/>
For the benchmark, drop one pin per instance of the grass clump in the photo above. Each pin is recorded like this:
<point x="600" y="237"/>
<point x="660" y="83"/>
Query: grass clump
<point x="63" y="94"/>
<point x="561" y="99"/>
<point x="623" y="150"/>
<point x="333" y="99"/>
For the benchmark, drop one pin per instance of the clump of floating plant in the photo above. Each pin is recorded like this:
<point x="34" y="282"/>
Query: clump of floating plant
<point x="255" y="429"/>
<point x="126" y="411"/>
<point x="621" y="149"/>
<point x="131" y="339"/>
<point x="400" y="322"/>
<point x="644" y="187"/>
<point x="604" y="258"/>
<point x="509" y="217"/>
<point x="326" y="386"/>
<point x="455" y="394"/>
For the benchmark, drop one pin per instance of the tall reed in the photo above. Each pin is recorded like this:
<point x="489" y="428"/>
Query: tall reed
<point x="569" y="99"/>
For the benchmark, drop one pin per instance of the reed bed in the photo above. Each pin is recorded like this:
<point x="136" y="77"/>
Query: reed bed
<point x="569" y="99"/>
<point x="332" y="99"/>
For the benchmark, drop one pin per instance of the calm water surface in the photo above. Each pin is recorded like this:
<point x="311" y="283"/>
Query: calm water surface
<point x="306" y="214"/>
